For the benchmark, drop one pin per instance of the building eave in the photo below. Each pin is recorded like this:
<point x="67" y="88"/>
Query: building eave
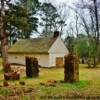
<point x="28" y="53"/>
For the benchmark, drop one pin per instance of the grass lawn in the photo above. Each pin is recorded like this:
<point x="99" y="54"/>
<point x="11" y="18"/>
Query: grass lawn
<point x="89" y="85"/>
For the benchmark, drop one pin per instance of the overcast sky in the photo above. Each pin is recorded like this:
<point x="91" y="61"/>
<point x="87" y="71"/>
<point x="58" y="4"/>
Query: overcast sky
<point x="59" y="2"/>
<point x="69" y="2"/>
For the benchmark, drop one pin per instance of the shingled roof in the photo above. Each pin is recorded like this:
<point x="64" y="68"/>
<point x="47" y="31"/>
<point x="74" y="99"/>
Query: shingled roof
<point x="36" y="45"/>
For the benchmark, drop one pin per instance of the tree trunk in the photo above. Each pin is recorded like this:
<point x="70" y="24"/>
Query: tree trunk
<point x="97" y="27"/>
<point x="4" y="39"/>
<point x="94" y="62"/>
<point x="89" y="62"/>
<point x="4" y="47"/>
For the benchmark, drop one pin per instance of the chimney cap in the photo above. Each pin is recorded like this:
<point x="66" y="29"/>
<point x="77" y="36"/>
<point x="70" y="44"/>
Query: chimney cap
<point x="56" y="34"/>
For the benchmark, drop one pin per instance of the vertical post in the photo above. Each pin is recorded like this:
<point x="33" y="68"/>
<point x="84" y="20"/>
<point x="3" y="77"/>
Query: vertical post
<point x="32" y="68"/>
<point x="28" y="67"/>
<point x="71" y="68"/>
<point x="35" y="67"/>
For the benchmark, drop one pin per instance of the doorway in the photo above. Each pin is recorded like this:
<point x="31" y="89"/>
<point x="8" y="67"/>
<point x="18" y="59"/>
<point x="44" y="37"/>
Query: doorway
<point x="59" y="61"/>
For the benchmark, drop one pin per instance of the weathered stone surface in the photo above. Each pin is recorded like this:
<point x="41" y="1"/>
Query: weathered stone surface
<point x="32" y="67"/>
<point x="71" y="68"/>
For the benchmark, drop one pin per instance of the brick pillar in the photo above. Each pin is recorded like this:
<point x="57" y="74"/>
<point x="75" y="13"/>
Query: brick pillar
<point x="35" y="67"/>
<point x="32" y="68"/>
<point x="71" y="68"/>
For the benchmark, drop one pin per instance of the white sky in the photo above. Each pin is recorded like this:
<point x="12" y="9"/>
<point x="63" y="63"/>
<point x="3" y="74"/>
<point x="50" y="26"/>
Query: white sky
<point x="68" y="2"/>
<point x="64" y="1"/>
<point x="57" y="2"/>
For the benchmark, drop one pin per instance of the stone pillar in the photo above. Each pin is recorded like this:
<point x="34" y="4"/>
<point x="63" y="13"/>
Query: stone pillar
<point x="71" y="68"/>
<point x="28" y="67"/>
<point x="35" y="67"/>
<point x="32" y="67"/>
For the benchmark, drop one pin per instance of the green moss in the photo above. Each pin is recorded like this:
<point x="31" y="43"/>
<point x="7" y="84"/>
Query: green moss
<point x="26" y="98"/>
<point x="79" y="85"/>
<point x="5" y="91"/>
<point x="37" y="45"/>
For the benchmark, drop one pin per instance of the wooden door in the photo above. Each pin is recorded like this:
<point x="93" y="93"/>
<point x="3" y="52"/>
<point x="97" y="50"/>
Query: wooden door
<point x="59" y="61"/>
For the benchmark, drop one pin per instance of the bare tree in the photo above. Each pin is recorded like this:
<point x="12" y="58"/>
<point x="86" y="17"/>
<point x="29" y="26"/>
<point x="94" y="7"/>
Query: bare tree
<point x="76" y="24"/>
<point x="63" y="17"/>
<point x="90" y="25"/>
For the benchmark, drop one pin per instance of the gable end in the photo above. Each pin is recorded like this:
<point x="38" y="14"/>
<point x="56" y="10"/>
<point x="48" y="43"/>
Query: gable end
<point x="58" y="47"/>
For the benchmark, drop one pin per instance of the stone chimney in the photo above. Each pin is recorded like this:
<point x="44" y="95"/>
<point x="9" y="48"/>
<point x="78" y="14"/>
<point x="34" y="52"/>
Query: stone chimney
<point x="56" y="34"/>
